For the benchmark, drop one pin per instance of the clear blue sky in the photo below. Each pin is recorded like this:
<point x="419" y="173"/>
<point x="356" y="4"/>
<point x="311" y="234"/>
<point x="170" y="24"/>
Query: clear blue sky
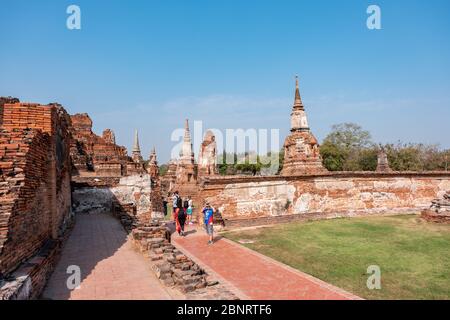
<point x="150" y="64"/>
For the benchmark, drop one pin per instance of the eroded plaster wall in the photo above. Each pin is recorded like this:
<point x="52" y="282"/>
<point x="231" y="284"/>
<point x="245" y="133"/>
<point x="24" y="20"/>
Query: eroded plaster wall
<point x="245" y="198"/>
<point x="134" y="190"/>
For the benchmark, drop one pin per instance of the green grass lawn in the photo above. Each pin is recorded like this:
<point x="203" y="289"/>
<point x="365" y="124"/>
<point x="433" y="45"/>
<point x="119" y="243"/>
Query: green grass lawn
<point x="413" y="255"/>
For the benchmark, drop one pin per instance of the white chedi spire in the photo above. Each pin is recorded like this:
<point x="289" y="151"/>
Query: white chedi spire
<point x="136" y="147"/>
<point x="299" y="121"/>
<point x="186" y="149"/>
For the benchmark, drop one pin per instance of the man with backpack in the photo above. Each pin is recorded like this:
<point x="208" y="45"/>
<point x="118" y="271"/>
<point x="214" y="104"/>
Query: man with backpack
<point x="208" y="213"/>
<point x="175" y="205"/>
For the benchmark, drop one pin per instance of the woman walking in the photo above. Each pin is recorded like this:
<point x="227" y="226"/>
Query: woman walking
<point x="181" y="220"/>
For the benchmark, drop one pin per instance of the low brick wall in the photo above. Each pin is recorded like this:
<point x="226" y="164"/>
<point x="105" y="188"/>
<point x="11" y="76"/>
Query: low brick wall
<point x="126" y="214"/>
<point x="436" y="217"/>
<point x="251" y="200"/>
<point x="29" y="280"/>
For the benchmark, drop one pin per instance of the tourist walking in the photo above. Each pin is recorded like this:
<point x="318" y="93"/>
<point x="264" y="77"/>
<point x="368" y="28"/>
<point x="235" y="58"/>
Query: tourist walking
<point x="208" y="213"/>
<point x="181" y="220"/>
<point x="189" y="210"/>
<point x="175" y="205"/>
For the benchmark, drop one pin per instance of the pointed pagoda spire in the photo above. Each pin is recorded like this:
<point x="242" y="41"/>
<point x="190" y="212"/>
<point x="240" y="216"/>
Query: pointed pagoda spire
<point x="136" y="147"/>
<point x="152" y="167"/>
<point x="136" y="152"/>
<point x="153" y="156"/>
<point x="297" y="100"/>
<point x="299" y="121"/>
<point x="187" y="133"/>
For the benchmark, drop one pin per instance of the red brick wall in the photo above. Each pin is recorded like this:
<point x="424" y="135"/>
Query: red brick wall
<point x="28" y="115"/>
<point x="92" y="153"/>
<point x="26" y="211"/>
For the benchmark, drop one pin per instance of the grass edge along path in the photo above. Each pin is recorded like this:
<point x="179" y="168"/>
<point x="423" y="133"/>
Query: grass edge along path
<point x="412" y="254"/>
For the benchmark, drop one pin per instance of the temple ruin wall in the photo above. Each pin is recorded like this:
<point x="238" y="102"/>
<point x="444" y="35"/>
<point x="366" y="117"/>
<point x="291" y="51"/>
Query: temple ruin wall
<point x="332" y="194"/>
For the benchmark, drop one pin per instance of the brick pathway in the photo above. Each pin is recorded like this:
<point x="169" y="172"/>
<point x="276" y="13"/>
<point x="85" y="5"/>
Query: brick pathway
<point x="110" y="266"/>
<point x="251" y="275"/>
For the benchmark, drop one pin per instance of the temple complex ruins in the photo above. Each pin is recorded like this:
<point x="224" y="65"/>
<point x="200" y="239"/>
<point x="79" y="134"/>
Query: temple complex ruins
<point x="53" y="167"/>
<point x="95" y="155"/>
<point x="207" y="158"/>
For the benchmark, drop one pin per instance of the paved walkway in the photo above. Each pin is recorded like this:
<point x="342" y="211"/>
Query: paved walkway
<point x="110" y="266"/>
<point x="252" y="275"/>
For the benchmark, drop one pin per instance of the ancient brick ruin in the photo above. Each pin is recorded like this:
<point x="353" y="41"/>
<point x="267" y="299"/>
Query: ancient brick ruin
<point x="53" y="166"/>
<point x="304" y="189"/>
<point x="281" y="198"/>
<point x="382" y="161"/>
<point x="439" y="210"/>
<point x="173" y="267"/>
<point x="35" y="200"/>
<point x="207" y="158"/>
<point x="185" y="174"/>
<point x="100" y="156"/>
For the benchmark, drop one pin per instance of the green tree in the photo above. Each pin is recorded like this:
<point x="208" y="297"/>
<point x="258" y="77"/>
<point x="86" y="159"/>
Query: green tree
<point x="349" y="136"/>
<point x="344" y="148"/>
<point x="367" y="159"/>
<point x="333" y="157"/>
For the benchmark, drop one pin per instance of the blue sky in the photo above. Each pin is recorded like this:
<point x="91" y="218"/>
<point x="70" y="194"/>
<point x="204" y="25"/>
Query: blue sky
<point x="151" y="64"/>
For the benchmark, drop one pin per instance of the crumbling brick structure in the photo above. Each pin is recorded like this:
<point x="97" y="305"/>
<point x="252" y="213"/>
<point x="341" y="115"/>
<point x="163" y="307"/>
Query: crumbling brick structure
<point x="246" y="201"/>
<point x="35" y="194"/>
<point x="207" y="158"/>
<point x="301" y="149"/>
<point x="382" y="161"/>
<point x="439" y="211"/>
<point x="173" y="268"/>
<point x="182" y="173"/>
<point x="99" y="156"/>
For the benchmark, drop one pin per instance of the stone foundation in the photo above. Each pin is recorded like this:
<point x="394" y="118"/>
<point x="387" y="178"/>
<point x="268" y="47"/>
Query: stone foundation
<point x="172" y="267"/>
<point x="436" y="217"/>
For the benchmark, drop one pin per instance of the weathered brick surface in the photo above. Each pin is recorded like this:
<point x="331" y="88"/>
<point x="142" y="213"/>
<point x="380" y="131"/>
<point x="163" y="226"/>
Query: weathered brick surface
<point x="3" y="101"/>
<point x="433" y="216"/>
<point x="35" y="192"/>
<point x="25" y="200"/>
<point x="101" y="156"/>
<point x="439" y="211"/>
